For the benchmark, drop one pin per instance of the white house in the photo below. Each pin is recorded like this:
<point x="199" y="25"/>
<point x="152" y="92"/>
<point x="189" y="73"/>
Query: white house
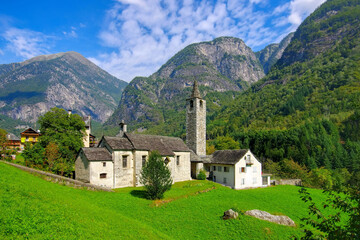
<point x="237" y="169"/>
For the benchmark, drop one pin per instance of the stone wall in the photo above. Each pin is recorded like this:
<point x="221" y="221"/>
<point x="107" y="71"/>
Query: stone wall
<point x="294" y="182"/>
<point x="59" y="179"/>
<point x="196" y="125"/>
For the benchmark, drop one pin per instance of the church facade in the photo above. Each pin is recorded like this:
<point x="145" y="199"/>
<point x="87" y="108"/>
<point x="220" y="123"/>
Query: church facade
<point x="117" y="161"/>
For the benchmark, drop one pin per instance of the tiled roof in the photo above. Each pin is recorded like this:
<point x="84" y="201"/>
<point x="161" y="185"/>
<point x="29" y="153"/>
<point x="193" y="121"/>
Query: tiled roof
<point x="12" y="137"/>
<point x="228" y="156"/>
<point x="97" y="154"/>
<point x="166" y="146"/>
<point x="119" y="143"/>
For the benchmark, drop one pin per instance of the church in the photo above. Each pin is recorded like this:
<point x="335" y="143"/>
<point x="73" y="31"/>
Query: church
<point x="117" y="161"/>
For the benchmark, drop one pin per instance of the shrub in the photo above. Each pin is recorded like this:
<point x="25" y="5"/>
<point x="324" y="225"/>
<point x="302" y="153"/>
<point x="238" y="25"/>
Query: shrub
<point x="201" y="175"/>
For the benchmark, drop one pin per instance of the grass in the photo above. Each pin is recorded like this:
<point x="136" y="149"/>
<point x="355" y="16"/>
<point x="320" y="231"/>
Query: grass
<point x="32" y="208"/>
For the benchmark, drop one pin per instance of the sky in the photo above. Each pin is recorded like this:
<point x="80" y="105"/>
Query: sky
<point x="131" y="38"/>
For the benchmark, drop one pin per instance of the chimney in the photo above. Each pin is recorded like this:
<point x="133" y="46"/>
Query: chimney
<point x="69" y="112"/>
<point x="123" y="128"/>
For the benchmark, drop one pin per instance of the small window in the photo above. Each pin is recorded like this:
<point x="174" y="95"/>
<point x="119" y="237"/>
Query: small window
<point x="191" y="103"/>
<point x="214" y="168"/>
<point x="226" y="169"/>
<point x="102" y="175"/>
<point x="201" y="103"/>
<point x="178" y="160"/>
<point x="225" y="180"/>
<point x="143" y="160"/>
<point x="242" y="169"/>
<point x="219" y="168"/>
<point x="254" y="180"/>
<point x="124" y="162"/>
<point x="254" y="169"/>
<point x="104" y="164"/>
<point x="243" y="181"/>
<point x="166" y="160"/>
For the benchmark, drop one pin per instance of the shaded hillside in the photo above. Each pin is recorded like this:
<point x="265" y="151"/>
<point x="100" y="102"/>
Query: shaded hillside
<point x="67" y="80"/>
<point x="225" y="64"/>
<point x="273" y="52"/>
<point x="307" y="104"/>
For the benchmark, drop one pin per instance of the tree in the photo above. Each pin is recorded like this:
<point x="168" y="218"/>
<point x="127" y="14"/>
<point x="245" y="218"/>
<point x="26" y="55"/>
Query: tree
<point x="156" y="176"/>
<point x="3" y="141"/>
<point x="347" y="205"/>
<point x="64" y="130"/>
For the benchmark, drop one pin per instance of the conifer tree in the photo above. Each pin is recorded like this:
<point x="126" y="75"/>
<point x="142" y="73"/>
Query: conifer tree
<point x="156" y="176"/>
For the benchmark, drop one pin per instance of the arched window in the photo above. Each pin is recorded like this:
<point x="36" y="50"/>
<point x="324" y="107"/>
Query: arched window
<point x="191" y="103"/>
<point x="201" y="103"/>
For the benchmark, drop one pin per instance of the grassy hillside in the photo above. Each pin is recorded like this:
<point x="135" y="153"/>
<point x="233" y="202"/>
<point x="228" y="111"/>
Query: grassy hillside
<point x="32" y="208"/>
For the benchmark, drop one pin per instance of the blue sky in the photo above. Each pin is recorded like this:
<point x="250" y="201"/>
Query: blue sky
<point x="131" y="38"/>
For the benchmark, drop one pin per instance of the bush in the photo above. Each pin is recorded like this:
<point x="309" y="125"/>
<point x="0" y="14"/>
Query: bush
<point x="155" y="176"/>
<point x="201" y="175"/>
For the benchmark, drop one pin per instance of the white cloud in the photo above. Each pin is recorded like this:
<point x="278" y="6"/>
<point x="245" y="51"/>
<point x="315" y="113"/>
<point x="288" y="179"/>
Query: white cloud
<point x="300" y="9"/>
<point x="144" y="34"/>
<point x="26" y="43"/>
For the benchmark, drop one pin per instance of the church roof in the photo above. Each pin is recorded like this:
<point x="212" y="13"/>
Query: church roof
<point x="97" y="154"/>
<point x="166" y="146"/>
<point x="119" y="143"/>
<point x="228" y="156"/>
<point x="195" y="92"/>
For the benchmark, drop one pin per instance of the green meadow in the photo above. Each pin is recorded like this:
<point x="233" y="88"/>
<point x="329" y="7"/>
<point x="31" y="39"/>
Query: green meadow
<point x="32" y="208"/>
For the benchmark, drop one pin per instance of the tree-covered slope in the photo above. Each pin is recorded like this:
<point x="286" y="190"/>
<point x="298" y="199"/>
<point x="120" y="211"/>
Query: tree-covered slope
<point x="68" y="80"/>
<point x="224" y="64"/>
<point x="307" y="106"/>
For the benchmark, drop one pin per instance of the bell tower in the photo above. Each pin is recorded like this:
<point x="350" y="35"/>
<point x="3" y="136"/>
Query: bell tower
<point x="196" y="122"/>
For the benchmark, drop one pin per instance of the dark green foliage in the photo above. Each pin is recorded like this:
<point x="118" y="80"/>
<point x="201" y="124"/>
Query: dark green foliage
<point x="347" y="204"/>
<point x="156" y="176"/>
<point x="61" y="138"/>
<point x="3" y="140"/>
<point x="34" y="155"/>
<point x="201" y="175"/>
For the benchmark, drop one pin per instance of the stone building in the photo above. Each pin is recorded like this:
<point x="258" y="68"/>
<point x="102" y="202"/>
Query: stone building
<point x="117" y="161"/>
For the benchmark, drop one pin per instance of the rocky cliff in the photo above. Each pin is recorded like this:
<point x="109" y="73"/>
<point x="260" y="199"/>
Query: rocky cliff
<point x="224" y="64"/>
<point x="273" y="52"/>
<point x="67" y="80"/>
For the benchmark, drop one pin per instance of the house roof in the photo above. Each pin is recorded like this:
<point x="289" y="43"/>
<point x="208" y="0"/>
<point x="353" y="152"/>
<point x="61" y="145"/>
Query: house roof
<point x="228" y="156"/>
<point x="29" y="131"/>
<point x="12" y="137"/>
<point x="166" y="146"/>
<point x="119" y="143"/>
<point x="97" y="154"/>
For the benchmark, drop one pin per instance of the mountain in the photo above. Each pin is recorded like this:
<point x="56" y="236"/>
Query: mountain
<point x="273" y="52"/>
<point x="307" y="107"/>
<point x="68" y="80"/>
<point x="224" y="64"/>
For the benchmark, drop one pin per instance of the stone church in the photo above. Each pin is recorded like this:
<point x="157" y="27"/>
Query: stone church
<point x="117" y="161"/>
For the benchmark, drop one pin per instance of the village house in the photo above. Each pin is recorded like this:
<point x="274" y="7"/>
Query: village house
<point x="117" y="161"/>
<point x="13" y="142"/>
<point x="29" y="136"/>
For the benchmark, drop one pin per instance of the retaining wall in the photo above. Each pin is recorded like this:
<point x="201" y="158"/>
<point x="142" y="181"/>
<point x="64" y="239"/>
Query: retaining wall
<point x="59" y="179"/>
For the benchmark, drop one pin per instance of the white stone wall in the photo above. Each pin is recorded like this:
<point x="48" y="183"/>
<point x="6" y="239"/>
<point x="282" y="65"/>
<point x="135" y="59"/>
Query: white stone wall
<point x="96" y="168"/>
<point x="252" y="176"/>
<point x="124" y="177"/>
<point x="82" y="169"/>
<point x="86" y="138"/>
<point x="138" y="165"/>
<point x="218" y="176"/>
<point x="182" y="171"/>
